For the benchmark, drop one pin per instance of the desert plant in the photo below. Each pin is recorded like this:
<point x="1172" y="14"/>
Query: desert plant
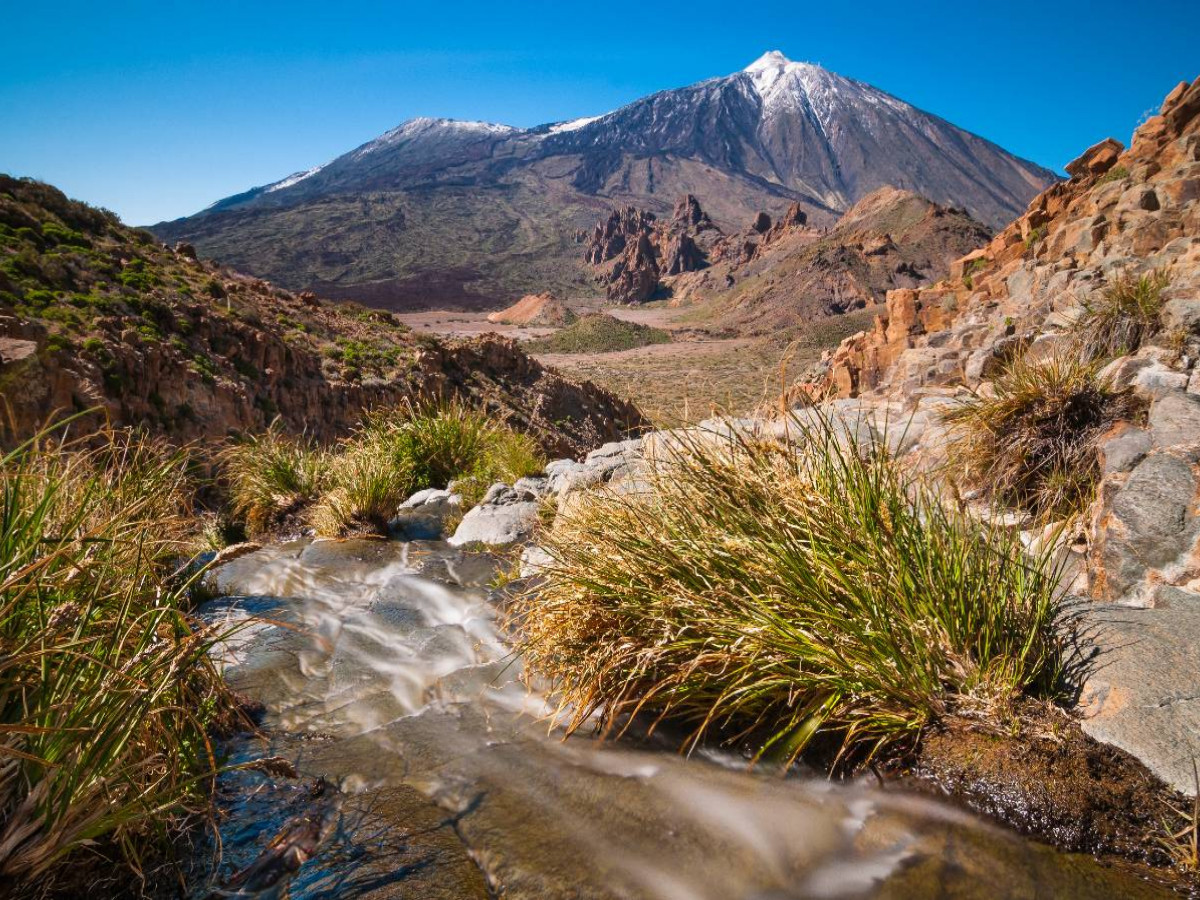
<point x="600" y="333"/>
<point x="106" y="686"/>
<point x="271" y="475"/>
<point x="775" y="592"/>
<point x="1029" y="441"/>
<point x="1123" y="316"/>
<point x="1180" y="832"/>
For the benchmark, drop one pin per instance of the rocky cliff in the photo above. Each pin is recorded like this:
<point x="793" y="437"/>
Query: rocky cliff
<point x="94" y="314"/>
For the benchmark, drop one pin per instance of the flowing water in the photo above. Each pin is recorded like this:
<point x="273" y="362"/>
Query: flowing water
<point x="383" y="671"/>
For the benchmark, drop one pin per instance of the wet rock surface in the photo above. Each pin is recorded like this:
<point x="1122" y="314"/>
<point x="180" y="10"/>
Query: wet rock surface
<point x="384" y="676"/>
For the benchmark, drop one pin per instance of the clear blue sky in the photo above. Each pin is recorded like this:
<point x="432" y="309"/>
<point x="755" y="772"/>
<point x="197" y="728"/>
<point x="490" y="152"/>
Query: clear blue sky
<point x="156" y="109"/>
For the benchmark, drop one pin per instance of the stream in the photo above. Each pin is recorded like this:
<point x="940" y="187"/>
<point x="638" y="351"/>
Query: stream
<point x="428" y="768"/>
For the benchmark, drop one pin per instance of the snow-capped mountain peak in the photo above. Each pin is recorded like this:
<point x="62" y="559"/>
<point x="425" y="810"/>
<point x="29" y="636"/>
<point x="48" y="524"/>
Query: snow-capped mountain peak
<point x="773" y="71"/>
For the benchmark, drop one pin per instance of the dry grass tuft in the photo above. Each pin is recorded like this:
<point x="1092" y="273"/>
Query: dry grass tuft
<point x="272" y="475"/>
<point x="1030" y="441"/>
<point x="1126" y="315"/>
<point x="420" y="446"/>
<point x="772" y="593"/>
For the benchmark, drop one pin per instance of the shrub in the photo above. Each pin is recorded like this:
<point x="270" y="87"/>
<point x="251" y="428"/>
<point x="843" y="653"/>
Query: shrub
<point x="777" y="593"/>
<point x="135" y="275"/>
<point x="451" y="441"/>
<point x="1116" y="173"/>
<point x="60" y="234"/>
<point x="106" y="687"/>
<point x="1030" y="442"/>
<point x="600" y="333"/>
<point x="1124" y="316"/>
<point x="272" y="475"/>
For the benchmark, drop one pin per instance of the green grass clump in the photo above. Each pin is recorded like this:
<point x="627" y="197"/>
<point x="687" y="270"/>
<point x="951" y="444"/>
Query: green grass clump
<point x="1030" y="441"/>
<point x="775" y="593"/>
<point x="1125" y="315"/>
<point x="106" y="687"/>
<point x="600" y="333"/>
<point x="272" y="475"/>
<point x="1116" y="173"/>
<point x="419" y="446"/>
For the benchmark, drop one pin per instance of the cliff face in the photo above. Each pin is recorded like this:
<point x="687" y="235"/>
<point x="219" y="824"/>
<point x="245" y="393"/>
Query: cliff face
<point x="93" y="314"/>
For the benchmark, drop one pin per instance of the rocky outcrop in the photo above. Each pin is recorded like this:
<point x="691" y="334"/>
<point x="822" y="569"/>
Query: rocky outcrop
<point x="633" y="251"/>
<point x="777" y="277"/>
<point x="505" y="516"/>
<point x="1131" y="209"/>
<point x="614" y="233"/>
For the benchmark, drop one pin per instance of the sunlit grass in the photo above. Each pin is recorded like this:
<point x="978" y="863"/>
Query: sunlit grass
<point x="106" y="687"/>
<point x="271" y="475"/>
<point x="772" y="593"/>
<point x="418" y="446"/>
<point x="1123" y="316"/>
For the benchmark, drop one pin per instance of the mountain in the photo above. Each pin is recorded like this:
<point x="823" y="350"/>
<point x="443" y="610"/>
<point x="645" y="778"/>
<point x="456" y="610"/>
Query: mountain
<point x="97" y="315"/>
<point x="473" y="213"/>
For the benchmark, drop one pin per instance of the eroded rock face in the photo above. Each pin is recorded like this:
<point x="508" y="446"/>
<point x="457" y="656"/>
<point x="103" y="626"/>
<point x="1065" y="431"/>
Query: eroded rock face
<point x="632" y="250"/>
<point x="1121" y="210"/>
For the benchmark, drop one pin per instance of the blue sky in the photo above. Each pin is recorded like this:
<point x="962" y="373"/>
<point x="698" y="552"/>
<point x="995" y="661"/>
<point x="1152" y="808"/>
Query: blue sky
<point x="156" y="109"/>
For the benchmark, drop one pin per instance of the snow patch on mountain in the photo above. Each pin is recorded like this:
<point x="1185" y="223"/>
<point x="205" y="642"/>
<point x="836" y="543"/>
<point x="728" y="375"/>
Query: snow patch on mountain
<point x="574" y="124"/>
<point x="295" y="178"/>
<point x="424" y="125"/>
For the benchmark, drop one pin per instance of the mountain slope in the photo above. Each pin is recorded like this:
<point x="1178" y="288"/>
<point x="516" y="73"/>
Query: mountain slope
<point x="409" y="218"/>
<point x="94" y="314"/>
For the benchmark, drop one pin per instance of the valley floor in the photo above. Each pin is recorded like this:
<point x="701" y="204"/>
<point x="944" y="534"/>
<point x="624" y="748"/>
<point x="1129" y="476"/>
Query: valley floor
<point x="682" y="382"/>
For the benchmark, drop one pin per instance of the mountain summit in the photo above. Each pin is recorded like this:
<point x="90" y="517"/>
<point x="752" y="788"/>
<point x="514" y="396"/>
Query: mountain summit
<point x="438" y="211"/>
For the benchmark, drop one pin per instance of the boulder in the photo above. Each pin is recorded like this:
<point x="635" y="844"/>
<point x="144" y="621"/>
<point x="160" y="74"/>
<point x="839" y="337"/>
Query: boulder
<point x="1097" y="159"/>
<point x="423" y="516"/>
<point x="1124" y="450"/>
<point x="1183" y="314"/>
<point x="1142" y="688"/>
<point x="1146" y="528"/>
<point x="1157" y="380"/>
<point x="505" y="517"/>
<point x="1174" y="423"/>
